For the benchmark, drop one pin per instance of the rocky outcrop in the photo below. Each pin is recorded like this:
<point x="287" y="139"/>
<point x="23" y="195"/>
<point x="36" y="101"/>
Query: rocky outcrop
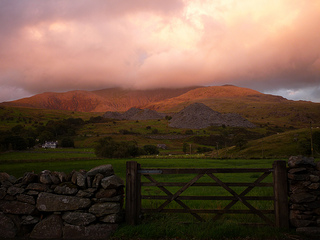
<point x="198" y="116"/>
<point x="54" y="205"/>
<point x="304" y="194"/>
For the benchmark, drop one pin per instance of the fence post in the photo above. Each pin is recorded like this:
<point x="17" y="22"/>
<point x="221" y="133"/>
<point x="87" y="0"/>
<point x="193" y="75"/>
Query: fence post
<point x="280" y="183"/>
<point x="132" y="193"/>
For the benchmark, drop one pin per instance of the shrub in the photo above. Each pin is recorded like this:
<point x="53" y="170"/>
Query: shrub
<point x="15" y="143"/>
<point x="124" y="131"/>
<point x="203" y="149"/>
<point x="189" y="132"/>
<point x="185" y="147"/>
<point x="67" y="143"/>
<point x="107" y="147"/>
<point x="155" y="131"/>
<point x="151" y="149"/>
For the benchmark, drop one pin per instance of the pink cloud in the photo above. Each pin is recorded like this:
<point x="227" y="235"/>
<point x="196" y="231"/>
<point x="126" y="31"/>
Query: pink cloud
<point x="59" y="45"/>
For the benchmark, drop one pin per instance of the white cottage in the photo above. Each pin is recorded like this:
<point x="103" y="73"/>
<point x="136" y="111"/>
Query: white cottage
<point x="53" y="144"/>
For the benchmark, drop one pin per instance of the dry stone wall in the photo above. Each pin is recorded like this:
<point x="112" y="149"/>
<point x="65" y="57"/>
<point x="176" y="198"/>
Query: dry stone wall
<point x="55" y="205"/>
<point x="304" y="194"/>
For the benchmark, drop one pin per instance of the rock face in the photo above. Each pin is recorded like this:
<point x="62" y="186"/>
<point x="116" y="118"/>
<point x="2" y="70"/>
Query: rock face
<point x="198" y="115"/>
<point x="304" y="194"/>
<point x="52" y="205"/>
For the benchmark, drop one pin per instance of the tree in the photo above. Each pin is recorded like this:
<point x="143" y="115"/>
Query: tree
<point x="189" y="132"/>
<point x="151" y="149"/>
<point x="107" y="147"/>
<point x="168" y="118"/>
<point x="46" y="136"/>
<point x="203" y="149"/>
<point x="67" y="143"/>
<point x="185" y="147"/>
<point x="240" y="141"/>
<point x="316" y="140"/>
<point x="15" y="143"/>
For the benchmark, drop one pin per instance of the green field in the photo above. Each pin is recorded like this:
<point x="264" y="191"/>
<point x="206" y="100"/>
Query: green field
<point x="269" y="142"/>
<point x="160" y="225"/>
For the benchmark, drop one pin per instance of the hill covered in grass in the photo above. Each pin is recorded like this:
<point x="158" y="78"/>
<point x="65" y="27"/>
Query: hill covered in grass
<point x="273" y="116"/>
<point x="258" y="108"/>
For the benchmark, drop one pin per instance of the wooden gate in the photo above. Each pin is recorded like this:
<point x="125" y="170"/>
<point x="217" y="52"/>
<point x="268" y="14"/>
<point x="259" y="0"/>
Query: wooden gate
<point x="280" y="196"/>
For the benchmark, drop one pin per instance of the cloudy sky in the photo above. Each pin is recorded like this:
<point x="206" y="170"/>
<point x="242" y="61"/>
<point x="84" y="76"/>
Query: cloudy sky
<point x="272" y="46"/>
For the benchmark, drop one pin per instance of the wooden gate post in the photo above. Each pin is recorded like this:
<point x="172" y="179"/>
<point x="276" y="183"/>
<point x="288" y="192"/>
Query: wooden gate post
<point x="133" y="200"/>
<point x="280" y="182"/>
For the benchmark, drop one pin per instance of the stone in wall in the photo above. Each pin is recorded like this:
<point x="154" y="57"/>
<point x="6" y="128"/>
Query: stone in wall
<point x="16" y="207"/>
<point x="50" y="227"/>
<point x="78" y="218"/>
<point x="55" y="205"/>
<point x="112" y="182"/>
<point x="7" y="227"/>
<point x="304" y="194"/>
<point x="48" y="202"/>
<point x="105" y="170"/>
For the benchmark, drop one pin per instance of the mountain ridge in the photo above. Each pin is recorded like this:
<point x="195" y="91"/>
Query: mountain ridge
<point x="112" y="99"/>
<point x="257" y="107"/>
<point x="119" y="99"/>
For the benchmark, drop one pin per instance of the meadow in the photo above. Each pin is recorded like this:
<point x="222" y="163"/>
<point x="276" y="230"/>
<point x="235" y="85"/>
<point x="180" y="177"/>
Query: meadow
<point x="164" y="226"/>
<point x="264" y="145"/>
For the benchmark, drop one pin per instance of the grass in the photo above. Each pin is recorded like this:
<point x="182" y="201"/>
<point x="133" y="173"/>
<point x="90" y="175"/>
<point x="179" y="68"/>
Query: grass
<point x="167" y="227"/>
<point x="45" y="155"/>
<point x="164" y="226"/>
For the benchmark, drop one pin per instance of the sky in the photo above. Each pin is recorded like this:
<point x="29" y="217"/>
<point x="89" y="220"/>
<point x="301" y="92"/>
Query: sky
<point x="272" y="46"/>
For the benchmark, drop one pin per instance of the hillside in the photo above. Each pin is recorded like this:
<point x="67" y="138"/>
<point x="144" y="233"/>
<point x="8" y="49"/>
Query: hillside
<point x="258" y="108"/>
<point x="213" y="94"/>
<point x="117" y="99"/>
<point x="113" y="99"/>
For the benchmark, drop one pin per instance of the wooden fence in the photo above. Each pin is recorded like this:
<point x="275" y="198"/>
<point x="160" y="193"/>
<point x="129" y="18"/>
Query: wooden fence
<point x="280" y="197"/>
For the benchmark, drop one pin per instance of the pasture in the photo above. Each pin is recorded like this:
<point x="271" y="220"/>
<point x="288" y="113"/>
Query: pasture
<point x="164" y="225"/>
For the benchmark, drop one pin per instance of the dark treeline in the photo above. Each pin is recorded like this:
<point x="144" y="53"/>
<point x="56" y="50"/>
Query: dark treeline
<point x="22" y="138"/>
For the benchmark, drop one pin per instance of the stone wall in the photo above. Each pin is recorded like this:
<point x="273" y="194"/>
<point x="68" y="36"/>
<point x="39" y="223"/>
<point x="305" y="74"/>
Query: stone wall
<point x="82" y="204"/>
<point x="304" y="194"/>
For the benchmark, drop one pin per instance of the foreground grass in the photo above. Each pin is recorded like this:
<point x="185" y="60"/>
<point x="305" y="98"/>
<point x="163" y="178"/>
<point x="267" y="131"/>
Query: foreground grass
<point x="167" y="227"/>
<point x="163" y="226"/>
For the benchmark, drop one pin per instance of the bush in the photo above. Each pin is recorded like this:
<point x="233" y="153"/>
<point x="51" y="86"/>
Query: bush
<point x="125" y="131"/>
<point x="316" y="140"/>
<point x="151" y="149"/>
<point x="67" y="143"/>
<point x="203" y="149"/>
<point x="155" y="131"/>
<point x="107" y="147"/>
<point x="15" y="143"/>
<point x="189" y="132"/>
<point x="185" y="147"/>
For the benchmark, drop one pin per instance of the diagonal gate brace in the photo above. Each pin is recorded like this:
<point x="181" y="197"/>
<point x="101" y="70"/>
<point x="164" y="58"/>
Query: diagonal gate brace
<point x="173" y="197"/>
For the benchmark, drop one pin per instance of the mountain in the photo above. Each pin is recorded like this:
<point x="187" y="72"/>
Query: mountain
<point x="256" y="107"/>
<point x="226" y="92"/>
<point x="112" y="99"/>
